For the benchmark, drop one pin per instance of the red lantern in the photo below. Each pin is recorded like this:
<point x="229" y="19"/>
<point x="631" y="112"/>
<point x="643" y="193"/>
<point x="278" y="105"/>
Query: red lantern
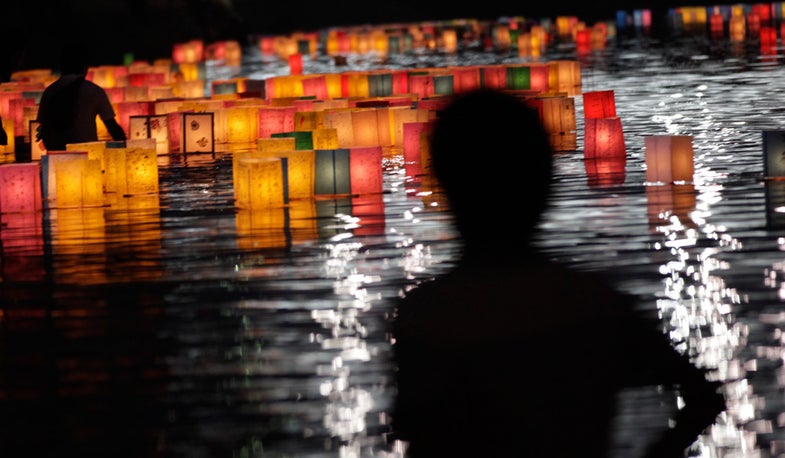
<point x="603" y="138"/>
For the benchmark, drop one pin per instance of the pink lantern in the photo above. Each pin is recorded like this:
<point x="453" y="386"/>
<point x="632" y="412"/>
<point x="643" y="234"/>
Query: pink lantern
<point x="669" y="158"/>
<point x="20" y="187"/>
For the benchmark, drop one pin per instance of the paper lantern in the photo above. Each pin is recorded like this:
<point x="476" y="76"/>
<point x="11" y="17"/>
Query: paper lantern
<point x="599" y="104"/>
<point x="774" y="154"/>
<point x="565" y="76"/>
<point x="299" y="166"/>
<point x="20" y="187"/>
<point x="348" y="171"/>
<point x="402" y="115"/>
<point x="197" y="133"/>
<point x="603" y="138"/>
<point x="296" y="64"/>
<point x="151" y="126"/>
<point x="517" y="77"/>
<point x="274" y="120"/>
<point x="669" y="158"/>
<point x="331" y="172"/>
<point x="315" y="86"/>
<point x="326" y="138"/>
<point x="365" y="127"/>
<point x="558" y="118"/>
<point x="131" y="169"/>
<point x="421" y="84"/>
<point x="242" y="124"/>
<point x="341" y="121"/>
<point x="261" y="182"/>
<point x="415" y="135"/>
<point x="72" y="180"/>
<point x="124" y="112"/>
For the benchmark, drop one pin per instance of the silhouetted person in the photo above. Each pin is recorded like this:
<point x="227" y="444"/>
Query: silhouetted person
<point x="68" y="107"/>
<point x="510" y="354"/>
<point x="3" y="133"/>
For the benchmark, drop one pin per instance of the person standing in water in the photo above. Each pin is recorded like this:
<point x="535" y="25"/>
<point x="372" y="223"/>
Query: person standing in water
<point x="511" y="354"/>
<point x="69" y="106"/>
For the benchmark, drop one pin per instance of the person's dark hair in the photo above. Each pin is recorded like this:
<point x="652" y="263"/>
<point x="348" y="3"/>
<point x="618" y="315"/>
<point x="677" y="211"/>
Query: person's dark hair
<point x="492" y="156"/>
<point x="74" y="58"/>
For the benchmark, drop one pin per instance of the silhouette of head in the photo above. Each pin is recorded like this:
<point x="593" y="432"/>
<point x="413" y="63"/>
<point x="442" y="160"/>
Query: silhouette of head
<point x="74" y="58"/>
<point x="492" y="156"/>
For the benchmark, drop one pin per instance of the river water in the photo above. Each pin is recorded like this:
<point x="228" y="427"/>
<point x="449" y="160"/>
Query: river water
<point x="180" y="326"/>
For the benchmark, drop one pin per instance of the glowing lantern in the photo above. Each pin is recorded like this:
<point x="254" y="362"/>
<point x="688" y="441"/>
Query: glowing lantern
<point x="127" y="109"/>
<point x="241" y="124"/>
<point x="197" y="133"/>
<point x="326" y="138"/>
<point x="669" y="158"/>
<point x="274" y="120"/>
<point x="603" y="138"/>
<point x="260" y="182"/>
<point x="151" y="126"/>
<point x="348" y="171"/>
<point x="341" y="121"/>
<point x="558" y="118"/>
<point x="365" y="127"/>
<point x="415" y="134"/>
<point x="737" y="28"/>
<point x="599" y="104"/>
<point x="296" y="64"/>
<point x="717" y="25"/>
<point x="131" y="169"/>
<point x="315" y="86"/>
<point x="421" y="84"/>
<point x="565" y="76"/>
<point x="72" y="180"/>
<point x="299" y="169"/>
<point x="269" y="146"/>
<point x="20" y="187"/>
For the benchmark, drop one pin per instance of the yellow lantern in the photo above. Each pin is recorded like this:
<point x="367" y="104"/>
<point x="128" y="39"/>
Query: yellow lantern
<point x="73" y="180"/>
<point x="260" y="183"/>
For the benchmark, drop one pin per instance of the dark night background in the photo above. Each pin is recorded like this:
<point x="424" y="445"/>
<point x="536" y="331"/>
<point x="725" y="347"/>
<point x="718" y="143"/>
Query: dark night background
<point x="33" y="30"/>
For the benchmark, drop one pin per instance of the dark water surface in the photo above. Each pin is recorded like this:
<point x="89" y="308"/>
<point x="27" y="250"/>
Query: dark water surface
<point x="180" y="326"/>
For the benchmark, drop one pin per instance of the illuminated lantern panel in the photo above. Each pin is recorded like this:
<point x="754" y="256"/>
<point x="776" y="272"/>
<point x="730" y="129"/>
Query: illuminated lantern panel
<point x="274" y="120"/>
<point x="20" y="187"/>
<point x="603" y="138"/>
<point x="37" y="148"/>
<point x="415" y="134"/>
<point x="341" y="121"/>
<point x="77" y="180"/>
<point x="141" y="167"/>
<point x="241" y="124"/>
<point x="669" y="158"/>
<point x="197" y="133"/>
<point x="365" y="127"/>
<point x="261" y="182"/>
<point x="331" y="172"/>
<point x="299" y="168"/>
<point x="599" y="104"/>
<point x="151" y="126"/>
<point x="365" y="167"/>
<point x="558" y="118"/>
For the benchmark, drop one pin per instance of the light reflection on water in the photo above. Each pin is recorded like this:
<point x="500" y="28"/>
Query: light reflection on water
<point x="223" y="332"/>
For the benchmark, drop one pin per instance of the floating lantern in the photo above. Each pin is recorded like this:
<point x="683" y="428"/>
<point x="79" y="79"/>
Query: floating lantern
<point x="603" y="138"/>
<point x="380" y="84"/>
<point x="558" y="119"/>
<point x="326" y="138"/>
<point x="132" y="169"/>
<point x="299" y="169"/>
<point x="565" y="76"/>
<point x="365" y="127"/>
<point x="197" y="133"/>
<point x="20" y="187"/>
<point x="415" y="135"/>
<point x="341" y="121"/>
<point x="599" y="104"/>
<point x="774" y="153"/>
<point x="669" y="158"/>
<point x="150" y="126"/>
<point x="274" y="120"/>
<point x="348" y="171"/>
<point x="421" y="84"/>
<point x="242" y="124"/>
<point x="72" y="180"/>
<point x="260" y="182"/>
